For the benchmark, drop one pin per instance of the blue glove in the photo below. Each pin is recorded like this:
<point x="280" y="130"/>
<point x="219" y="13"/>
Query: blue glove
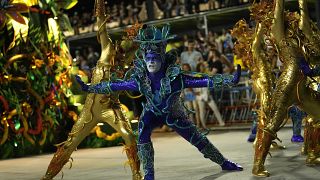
<point x="83" y="85"/>
<point x="220" y="80"/>
<point x="237" y="75"/>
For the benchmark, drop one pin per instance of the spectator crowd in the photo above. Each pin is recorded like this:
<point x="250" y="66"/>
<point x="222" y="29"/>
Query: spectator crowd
<point x="124" y="12"/>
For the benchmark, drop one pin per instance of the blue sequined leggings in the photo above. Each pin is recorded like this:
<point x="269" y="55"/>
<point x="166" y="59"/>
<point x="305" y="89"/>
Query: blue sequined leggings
<point x="297" y="116"/>
<point x="183" y="127"/>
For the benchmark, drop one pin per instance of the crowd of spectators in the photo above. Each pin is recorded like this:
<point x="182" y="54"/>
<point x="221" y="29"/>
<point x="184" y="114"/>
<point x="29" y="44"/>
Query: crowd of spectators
<point x="124" y="12"/>
<point x="86" y="59"/>
<point x="211" y="54"/>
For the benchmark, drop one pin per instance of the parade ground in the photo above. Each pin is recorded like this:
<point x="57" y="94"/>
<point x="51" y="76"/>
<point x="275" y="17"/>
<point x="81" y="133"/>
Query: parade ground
<point x="175" y="159"/>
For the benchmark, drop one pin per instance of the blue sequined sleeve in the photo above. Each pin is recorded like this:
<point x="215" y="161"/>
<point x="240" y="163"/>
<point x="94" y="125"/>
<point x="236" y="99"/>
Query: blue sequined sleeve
<point x="131" y="85"/>
<point x="108" y="87"/>
<point x="215" y="81"/>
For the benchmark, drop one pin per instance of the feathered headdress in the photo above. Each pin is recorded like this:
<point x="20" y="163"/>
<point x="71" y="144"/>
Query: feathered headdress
<point x="151" y="34"/>
<point x="152" y="39"/>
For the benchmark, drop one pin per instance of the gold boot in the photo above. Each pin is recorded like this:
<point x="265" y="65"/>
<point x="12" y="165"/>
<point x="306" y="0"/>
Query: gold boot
<point x="262" y="146"/>
<point x="312" y="159"/>
<point x="313" y="156"/>
<point x="134" y="161"/>
<point x="259" y="169"/>
<point x="308" y="133"/>
<point x="59" y="159"/>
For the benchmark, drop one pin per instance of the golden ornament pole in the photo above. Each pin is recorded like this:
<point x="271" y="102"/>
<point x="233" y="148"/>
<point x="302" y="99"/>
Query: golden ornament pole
<point x="98" y="108"/>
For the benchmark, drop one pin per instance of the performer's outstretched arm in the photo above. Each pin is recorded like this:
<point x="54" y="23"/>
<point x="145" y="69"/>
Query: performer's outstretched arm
<point x="108" y="86"/>
<point x="214" y="81"/>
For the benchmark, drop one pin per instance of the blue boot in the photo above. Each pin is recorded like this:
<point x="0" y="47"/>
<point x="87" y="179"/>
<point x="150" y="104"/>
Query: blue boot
<point x="211" y="152"/>
<point x="146" y="156"/>
<point x="297" y="139"/>
<point x="231" y="166"/>
<point x="297" y="116"/>
<point x="251" y="137"/>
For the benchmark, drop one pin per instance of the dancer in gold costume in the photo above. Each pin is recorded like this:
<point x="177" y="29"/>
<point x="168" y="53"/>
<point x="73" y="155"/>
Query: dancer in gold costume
<point x="99" y="108"/>
<point x="295" y="38"/>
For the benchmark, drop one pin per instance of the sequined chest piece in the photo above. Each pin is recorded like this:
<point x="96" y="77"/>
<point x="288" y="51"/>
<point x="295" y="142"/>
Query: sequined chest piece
<point x="161" y="96"/>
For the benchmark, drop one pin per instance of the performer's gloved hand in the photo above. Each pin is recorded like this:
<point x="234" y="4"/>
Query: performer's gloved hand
<point x="83" y="85"/>
<point x="305" y="68"/>
<point x="237" y="75"/>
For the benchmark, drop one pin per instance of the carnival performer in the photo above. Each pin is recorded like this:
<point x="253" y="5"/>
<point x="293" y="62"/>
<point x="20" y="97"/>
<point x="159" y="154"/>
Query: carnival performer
<point x="161" y="81"/>
<point x="294" y="112"/>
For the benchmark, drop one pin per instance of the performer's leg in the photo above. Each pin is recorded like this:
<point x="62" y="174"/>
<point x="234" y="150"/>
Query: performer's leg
<point x="146" y="155"/>
<point x="147" y="123"/>
<point x="216" y="111"/>
<point x="122" y="125"/>
<point x="253" y="129"/>
<point x="79" y="131"/>
<point x="312" y="145"/>
<point x="189" y="132"/>
<point x="262" y="146"/>
<point x="296" y="116"/>
<point x="196" y="115"/>
<point x="202" y="112"/>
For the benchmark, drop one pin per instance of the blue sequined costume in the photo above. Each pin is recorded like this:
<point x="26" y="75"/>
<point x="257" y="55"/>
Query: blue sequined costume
<point x="164" y="105"/>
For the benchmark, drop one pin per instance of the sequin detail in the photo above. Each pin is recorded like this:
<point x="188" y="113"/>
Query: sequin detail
<point x="146" y="156"/>
<point x="211" y="152"/>
<point x="139" y="74"/>
<point x="219" y="81"/>
<point x="100" y="88"/>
